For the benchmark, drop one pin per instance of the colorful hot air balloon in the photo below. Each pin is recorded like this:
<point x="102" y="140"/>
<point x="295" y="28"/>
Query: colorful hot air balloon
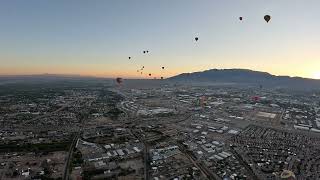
<point x="255" y="98"/>
<point x="267" y="18"/>
<point x="203" y="101"/>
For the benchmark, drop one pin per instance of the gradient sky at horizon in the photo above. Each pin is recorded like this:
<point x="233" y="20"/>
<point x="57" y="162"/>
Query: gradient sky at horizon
<point x="96" y="37"/>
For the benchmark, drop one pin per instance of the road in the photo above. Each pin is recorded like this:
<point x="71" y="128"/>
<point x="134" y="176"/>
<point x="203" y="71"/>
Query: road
<point x="72" y="146"/>
<point x="70" y="153"/>
<point x="204" y="170"/>
<point x="47" y="114"/>
<point x="242" y="161"/>
<point x="146" y="161"/>
<point x="145" y="153"/>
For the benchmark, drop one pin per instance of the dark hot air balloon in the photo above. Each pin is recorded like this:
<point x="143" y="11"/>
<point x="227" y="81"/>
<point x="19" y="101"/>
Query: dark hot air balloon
<point x="119" y="80"/>
<point x="129" y="57"/>
<point x="150" y="74"/>
<point x="162" y="67"/>
<point x="240" y="18"/>
<point x="267" y="18"/>
<point x="144" y="52"/>
<point x="161" y="77"/>
<point x="196" y="38"/>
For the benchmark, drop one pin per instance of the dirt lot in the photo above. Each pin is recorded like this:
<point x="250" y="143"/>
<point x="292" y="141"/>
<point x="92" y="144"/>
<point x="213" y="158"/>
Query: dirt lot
<point x="14" y="165"/>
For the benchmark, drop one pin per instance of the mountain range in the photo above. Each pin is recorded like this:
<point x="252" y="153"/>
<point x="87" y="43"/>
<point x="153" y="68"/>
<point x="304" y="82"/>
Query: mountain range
<point x="246" y="77"/>
<point x="222" y="77"/>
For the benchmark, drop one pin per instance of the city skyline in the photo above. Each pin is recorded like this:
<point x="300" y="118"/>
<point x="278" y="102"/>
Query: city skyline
<point x="96" y="38"/>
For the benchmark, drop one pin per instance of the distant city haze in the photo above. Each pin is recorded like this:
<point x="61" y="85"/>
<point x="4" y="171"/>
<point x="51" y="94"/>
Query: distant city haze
<point x="96" y="37"/>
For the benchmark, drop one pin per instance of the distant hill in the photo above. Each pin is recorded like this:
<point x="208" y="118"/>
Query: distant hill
<point x="247" y="77"/>
<point x="44" y="78"/>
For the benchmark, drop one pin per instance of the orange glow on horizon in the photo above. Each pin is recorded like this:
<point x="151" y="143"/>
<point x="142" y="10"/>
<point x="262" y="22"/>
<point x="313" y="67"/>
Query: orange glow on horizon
<point x="116" y="68"/>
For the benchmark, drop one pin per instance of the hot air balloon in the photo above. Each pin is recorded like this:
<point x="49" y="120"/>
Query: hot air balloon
<point x="203" y="101"/>
<point x="141" y="72"/>
<point x="196" y="38"/>
<point x="162" y="67"/>
<point x="144" y="52"/>
<point x="149" y="74"/>
<point x="267" y="18"/>
<point x="255" y="98"/>
<point x="161" y="77"/>
<point x="119" y="80"/>
<point x="129" y="57"/>
<point x="240" y="18"/>
<point x="147" y="51"/>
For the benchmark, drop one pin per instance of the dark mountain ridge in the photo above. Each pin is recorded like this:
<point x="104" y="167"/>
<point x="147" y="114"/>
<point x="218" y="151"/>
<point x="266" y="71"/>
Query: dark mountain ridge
<point x="246" y="76"/>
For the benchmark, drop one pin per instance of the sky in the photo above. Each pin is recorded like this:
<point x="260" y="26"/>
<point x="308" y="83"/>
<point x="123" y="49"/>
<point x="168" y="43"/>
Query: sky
<point x="96" y="37"/>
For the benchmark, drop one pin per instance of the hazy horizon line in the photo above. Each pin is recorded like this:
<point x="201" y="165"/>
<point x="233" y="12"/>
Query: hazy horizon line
<point x="110" y="77"/>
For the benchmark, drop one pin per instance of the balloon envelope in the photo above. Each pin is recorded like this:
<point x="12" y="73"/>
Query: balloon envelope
<point x="240" y="18"/>
<point x="267" y="18"/>
<point x="255" y="98"/>
<point x="119" y="80"/>
<point x="196" y="38"/>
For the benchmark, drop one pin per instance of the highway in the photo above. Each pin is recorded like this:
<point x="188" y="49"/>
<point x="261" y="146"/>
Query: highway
<point x="145" y="154"/>
<point x="72" y="146"/>
<point x="69" y="157"/>
<point x="146" y="161"/>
